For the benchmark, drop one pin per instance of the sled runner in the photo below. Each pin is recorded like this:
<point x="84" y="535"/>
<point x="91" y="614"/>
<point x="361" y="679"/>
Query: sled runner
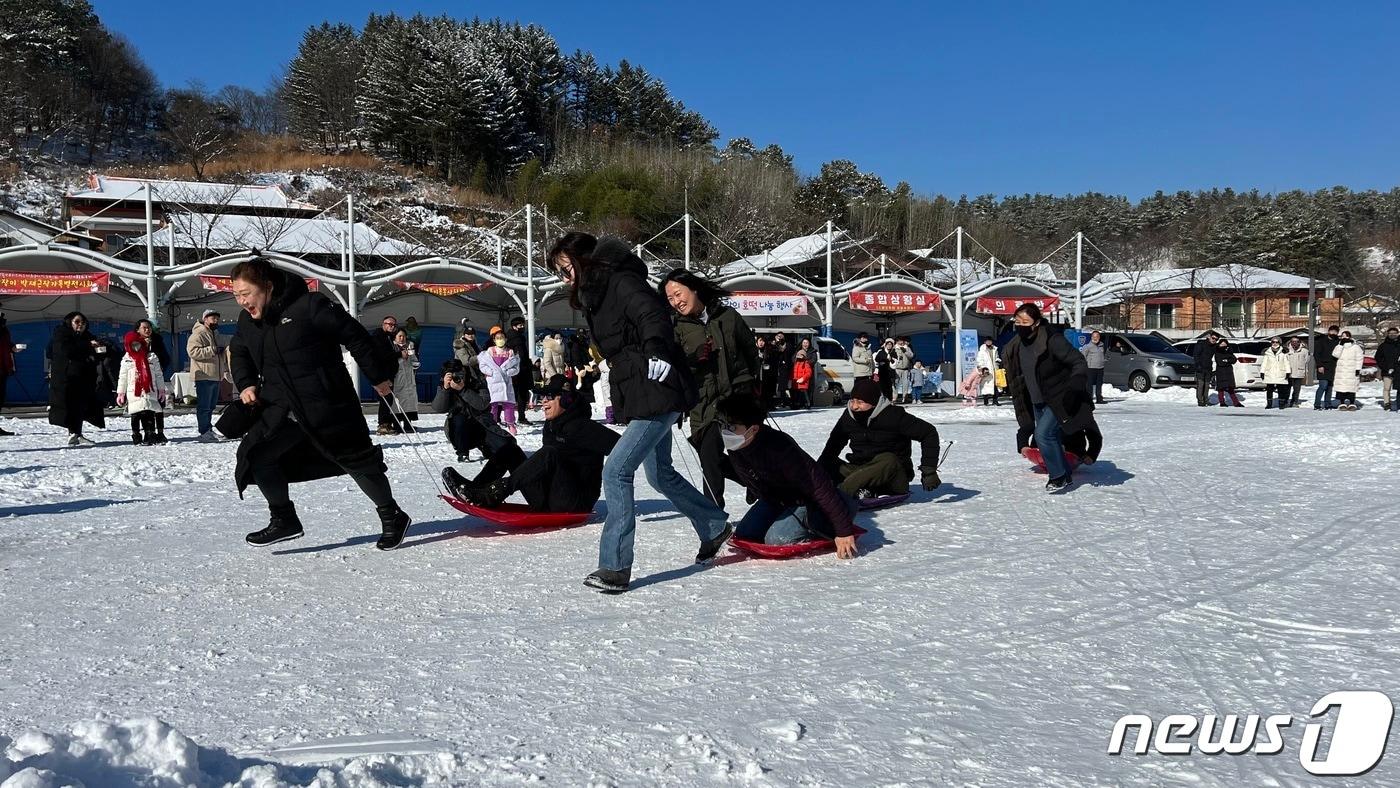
<point x="881" y="501"/>
<point x="1033" y="454"/>
<point x="518" y="515"/>
<point x="781" y="551"/>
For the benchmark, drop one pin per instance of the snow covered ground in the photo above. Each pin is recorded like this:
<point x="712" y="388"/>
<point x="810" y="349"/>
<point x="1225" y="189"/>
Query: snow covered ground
<point x="1215" y="561"/>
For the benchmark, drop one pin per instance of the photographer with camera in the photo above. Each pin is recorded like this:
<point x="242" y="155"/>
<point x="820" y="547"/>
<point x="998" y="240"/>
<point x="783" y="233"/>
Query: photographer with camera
<point x="469" y="423"/>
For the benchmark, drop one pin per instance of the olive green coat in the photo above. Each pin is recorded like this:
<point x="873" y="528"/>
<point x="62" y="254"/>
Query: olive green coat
<point x="732" y="364"/>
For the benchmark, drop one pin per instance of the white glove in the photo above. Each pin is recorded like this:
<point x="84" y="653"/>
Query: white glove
<point x="658" y="370"/>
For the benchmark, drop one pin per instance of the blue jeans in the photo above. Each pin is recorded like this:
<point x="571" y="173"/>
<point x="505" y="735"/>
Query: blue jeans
<point x="771" y="523"/>
<point x="918" y="392"/>
<point x="1323" y="397"/>
<point x="1050" y="440"/>
<point x="647" y="443"/>
<point x="206" y="394"/>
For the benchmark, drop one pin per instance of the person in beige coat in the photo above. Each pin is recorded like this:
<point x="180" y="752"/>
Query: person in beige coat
<point x="208" y="368"/>
<point x="552" y="362"/>
<point x="1348" y="377"/>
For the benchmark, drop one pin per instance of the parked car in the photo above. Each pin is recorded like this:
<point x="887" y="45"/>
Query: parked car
<point x="1145" y="361"/>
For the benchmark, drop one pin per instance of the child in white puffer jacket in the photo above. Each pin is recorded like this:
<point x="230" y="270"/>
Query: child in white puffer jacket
<point x="141" y="388"/>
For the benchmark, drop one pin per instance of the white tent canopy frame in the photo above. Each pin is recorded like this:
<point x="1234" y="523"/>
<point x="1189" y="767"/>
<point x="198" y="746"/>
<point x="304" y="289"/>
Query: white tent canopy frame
<point x="526" y="289"/>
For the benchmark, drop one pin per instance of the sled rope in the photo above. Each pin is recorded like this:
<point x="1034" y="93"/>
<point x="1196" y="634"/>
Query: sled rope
<point x="414" y="441"/>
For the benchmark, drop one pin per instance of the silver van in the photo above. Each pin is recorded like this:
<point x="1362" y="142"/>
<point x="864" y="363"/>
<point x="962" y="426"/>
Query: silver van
<point x="1145" y="361"/>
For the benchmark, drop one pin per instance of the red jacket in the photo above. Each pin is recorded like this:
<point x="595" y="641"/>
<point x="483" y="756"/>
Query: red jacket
<point x="802" y="375"/>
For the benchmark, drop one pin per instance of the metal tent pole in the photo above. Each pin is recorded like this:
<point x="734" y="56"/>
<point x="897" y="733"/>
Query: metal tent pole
<point x="151" y="312"/>
<point x="958" y="318"/>
<point x="530" y="277"/>
<point x="830" y="320"/>
<point x="1079" y="279"/>
<point x="686" y="217"/>
<point x="354" y="290"/>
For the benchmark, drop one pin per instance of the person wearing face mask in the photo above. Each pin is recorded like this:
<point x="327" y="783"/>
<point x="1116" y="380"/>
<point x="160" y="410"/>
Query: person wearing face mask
<point x="383" y="337"/>
<point x="141" y="389"/>
<point x="500" y="366"/>
<point x="723" y="358"/>
<point x="1387" y="365"/>
<point x="1298" y="363"/>
<point x="1048" y="382"/>
<point x="881" y="436"/>
<point x="1203" y="356"/>
<point x="1225" y="361"/>
<point x="464" y="346"/>
<point x="1273" y="366"/>
<point x="1326" y="368"/>
<point x="1347" y="371"/>
<point x="651" y="386"/>
<point x="862" y="359"/>
<point x="795" y="500"/>
<point x="989" y="359"/>
<point x="565" y="475"/>
<point x="208" y="368"/>
<point x="73" y="379"/>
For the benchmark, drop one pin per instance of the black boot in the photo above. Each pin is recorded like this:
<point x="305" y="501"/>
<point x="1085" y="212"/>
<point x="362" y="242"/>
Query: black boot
<point x="136" y="430"/>
<point x="159" y="437"/>
<point x="608" y="581"/>
<point x="283" y="527"/>
<point x="491" y="495"/>
<point x="710" y="548"/>
<point x="458" y="485"/>
<point x="394" y="524"/>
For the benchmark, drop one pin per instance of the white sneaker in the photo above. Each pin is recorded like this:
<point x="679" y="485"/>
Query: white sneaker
<point x="80" y="440"/>
<point x="209" y="437"/>
<point x="73" y="439"/>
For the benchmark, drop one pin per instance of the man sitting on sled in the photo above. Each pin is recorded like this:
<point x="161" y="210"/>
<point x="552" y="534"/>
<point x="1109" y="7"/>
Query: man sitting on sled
<point x="796" y="500"/>
<point x="881" y="437"/>
<point x="565" y="475"/>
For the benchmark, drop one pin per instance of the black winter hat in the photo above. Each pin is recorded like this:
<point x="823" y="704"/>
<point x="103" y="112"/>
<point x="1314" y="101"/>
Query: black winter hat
<point x="866" y="391"/>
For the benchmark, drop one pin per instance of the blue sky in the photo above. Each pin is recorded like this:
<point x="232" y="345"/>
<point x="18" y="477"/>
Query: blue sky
<point x="974" y="98"/>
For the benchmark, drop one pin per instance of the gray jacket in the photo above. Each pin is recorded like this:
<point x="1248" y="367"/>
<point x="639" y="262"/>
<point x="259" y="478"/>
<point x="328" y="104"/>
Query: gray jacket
<point x="1093" y="355"/>
<point x="1298" y="361"/>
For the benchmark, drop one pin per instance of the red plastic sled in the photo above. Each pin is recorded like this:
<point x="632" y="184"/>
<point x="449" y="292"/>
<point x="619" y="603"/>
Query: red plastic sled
<point x="781" y="551"/>
<point x="518" y="515"/>
<point x="881" y="501"/>
<point x="1038" y="460"/>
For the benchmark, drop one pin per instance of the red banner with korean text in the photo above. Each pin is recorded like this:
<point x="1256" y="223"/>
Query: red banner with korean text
<point x="1008" y="306"/>
<point x="222" y="284"/>
<point x="888" y="301"/>
<point x="24" y="283"/>
<point x="444" y="290"/>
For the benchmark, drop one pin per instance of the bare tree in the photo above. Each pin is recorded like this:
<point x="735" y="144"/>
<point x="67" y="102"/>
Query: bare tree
<point x="198" y="128"/>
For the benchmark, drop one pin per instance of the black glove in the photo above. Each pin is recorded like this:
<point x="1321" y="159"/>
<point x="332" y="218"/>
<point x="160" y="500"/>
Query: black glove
<point x="930" y="478"/>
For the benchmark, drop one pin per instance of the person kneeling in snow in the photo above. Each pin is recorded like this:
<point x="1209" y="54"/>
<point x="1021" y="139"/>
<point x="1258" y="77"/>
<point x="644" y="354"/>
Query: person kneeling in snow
<point x="881" y="437"/>
<point x="796" y="500"/>
<point x="565" y="475"/>
<point x="141" y="388"/>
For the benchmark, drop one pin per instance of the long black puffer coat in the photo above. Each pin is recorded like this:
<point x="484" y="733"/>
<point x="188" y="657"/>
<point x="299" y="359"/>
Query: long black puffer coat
<point x="293" y="355"/>
<point x="73" y="382"/>
<point x="630" y="324"/>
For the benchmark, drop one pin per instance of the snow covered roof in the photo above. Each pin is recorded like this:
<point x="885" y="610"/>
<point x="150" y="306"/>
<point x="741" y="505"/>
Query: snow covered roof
<point x="793" y="251"/>
<point x="35" y="230"/>
<point x="286" y="234"/>
<point x="944" y="270"/>
<point x="1222" y="277"/>
<point x="192" y="193"/>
